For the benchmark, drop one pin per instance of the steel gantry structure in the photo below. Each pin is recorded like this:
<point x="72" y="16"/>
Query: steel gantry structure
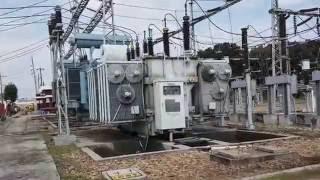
<point x="95" y="20"/>
<point x="280" y="52"/>
<point x="58" y="38"/>
<point x="56" y="34"/>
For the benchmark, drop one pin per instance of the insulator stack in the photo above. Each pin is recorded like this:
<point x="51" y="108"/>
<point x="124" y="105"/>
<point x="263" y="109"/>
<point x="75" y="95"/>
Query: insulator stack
<point x="128" y="54"/>
<point x="137" y="49"/>
<point x="58" y="17"/>
<point x="186" y="33"/>
<point x="145" y="44"/>
<point x="246" y="62"/>
<point x="166" y="45"/>
<point x="50" y="28"/>
<point x="318" y="26"/>
<point x="295" y="24"/>
<point x="132" y="52"/>
<point x="150" y="44"/>
<point x="53" y="21"/>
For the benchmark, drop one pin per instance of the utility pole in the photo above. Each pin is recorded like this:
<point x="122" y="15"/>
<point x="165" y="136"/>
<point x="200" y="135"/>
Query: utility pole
<point x="33" y="72"/>
<point x="41" y="83"/>
<point x="1" y="88"/>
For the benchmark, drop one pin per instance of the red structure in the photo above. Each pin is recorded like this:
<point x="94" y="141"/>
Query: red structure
<point x="2" y="111"/>
<point x="45" y="101"/>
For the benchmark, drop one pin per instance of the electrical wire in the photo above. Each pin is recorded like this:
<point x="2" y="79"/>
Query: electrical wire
<point x="21" y="8"/>
<point x="25" y="47"/>
<point x="223" y="30"/>
<point x="37" y="48"/>
<point x="17" y="17"/>
<point x="39" y="13"/>
<point x="292" y="36"/>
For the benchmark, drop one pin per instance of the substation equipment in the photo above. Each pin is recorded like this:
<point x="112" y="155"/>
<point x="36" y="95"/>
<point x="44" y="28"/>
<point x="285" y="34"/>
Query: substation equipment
<point x="155" y="94"/>
<point x="147" y="93"/>
<point x="283" y="84"/>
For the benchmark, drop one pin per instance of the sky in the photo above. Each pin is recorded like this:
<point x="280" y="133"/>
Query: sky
<point x="15" y="66"/>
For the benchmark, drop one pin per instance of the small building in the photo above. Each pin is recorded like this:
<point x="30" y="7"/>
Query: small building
<point x="44" y="100"/>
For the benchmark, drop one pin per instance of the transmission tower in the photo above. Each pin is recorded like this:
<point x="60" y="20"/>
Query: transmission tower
<point x="56" y="45"/>
<point x="276" y="47"/>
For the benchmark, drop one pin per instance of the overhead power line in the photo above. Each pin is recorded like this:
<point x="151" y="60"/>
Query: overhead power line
<point x="25" y="47"/>
<point x="17" y="17"/>
<point x="38" y="13"/>
<point x="21" y="8"/>
<point x="21" y="54"/>
<point x="25" y="7"/>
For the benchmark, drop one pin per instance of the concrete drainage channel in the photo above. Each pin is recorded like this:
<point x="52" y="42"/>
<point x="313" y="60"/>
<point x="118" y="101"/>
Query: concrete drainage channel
<point x="127" y="147"/>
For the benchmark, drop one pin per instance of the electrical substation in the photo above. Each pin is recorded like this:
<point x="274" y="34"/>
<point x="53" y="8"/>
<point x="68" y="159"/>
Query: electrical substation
<point x="136" y="89"/>
<point x="121" y="95"/>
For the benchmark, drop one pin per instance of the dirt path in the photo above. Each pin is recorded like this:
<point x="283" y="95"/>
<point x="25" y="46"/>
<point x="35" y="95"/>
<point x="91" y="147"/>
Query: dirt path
<point x="24" y="154"/>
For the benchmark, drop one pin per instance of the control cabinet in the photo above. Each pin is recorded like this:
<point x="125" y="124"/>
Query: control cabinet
<point x="169" y="105"/>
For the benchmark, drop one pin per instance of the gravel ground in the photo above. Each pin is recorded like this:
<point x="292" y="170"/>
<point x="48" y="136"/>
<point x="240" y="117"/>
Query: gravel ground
<point x="74" y="164"/>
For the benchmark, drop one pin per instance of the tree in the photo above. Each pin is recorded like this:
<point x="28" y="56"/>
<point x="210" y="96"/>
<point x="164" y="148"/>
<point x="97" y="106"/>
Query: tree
<point x="11" y="92"/>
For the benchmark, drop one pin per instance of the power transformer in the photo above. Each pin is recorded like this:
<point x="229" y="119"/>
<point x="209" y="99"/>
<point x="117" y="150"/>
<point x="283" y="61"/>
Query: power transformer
<point x="213" y="87"/>
<point x="117" y="92"/>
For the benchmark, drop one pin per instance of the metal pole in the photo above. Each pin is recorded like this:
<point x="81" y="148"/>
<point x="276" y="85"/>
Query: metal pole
<point x="250" y="124"/>
<point x="276" y="56"/>
<point x="41" y="83"/>
<point x="317" y="92"/>
<point x="104" y="20"/>
<point x="34" y="76"/>
<point x="112" y="19"/>
<point x="1" y="92"/>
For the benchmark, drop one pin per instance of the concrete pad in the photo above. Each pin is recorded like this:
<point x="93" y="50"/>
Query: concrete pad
<point x="270" y="119"/>
<point x="271" y="149"/>
<point x="63" y="140"/>
<point x="24" y="156"/>
<point x="244" y="156"/>
<point x="124" y="174"/>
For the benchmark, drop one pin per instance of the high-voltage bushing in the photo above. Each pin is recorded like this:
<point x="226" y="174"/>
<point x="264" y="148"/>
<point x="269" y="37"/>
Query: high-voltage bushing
<point x="134" y="73"/>
<point x="126" y="94"/>
<point x="137" y="49"/>
<point x="128" y="53"/>
<point x="208" y="73"/>
<point x="132" y="52"/>
<point x="58" y="18"/>
<point x="116" y="73"/>
<point x="150" y="43"/>
<point x="166" y="43"/>
<point x="186" y="33"/>
<point x="50" y="29"/>
<point x="245" y="48"/>
<point x="145" y="43"/>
